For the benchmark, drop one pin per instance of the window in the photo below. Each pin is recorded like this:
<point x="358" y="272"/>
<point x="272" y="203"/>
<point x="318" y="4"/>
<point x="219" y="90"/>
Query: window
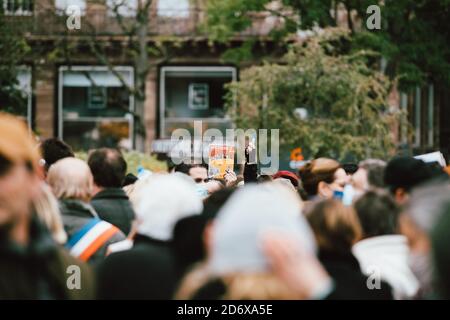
<point x="95" y="107"/>
<point x="19" y="100"/>
<point x="62" y="5"/>
<point x="190" y="93"/>
<point x="125" y="8"/>
<point x="24" y="79"/>
<point x="173" y="8"/>
<point x="18" y="7"/>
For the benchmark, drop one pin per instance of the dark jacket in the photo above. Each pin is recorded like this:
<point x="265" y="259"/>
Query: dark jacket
<point x="349" y="281"/>
<point x="147" y="271"/>
<point x="40" y="270"/>
<point x="75" y="215"/>
<point x="113" y="206"/>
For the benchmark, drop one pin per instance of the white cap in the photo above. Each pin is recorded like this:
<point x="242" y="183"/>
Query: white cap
<point x="251" y="212"/>
<point x="162" y="201"/>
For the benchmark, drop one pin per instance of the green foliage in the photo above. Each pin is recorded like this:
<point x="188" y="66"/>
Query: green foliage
<point x="345" y="99"/>
<point x="135" y="159"/>
<point x="413" y="38"/>
<point x="12" y="50"/>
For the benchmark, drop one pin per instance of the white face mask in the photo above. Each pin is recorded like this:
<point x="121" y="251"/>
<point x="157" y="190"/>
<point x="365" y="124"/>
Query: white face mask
<point x="349" y="195"/>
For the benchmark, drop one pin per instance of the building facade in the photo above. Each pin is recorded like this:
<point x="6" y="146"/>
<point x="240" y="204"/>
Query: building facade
<point x="86" y="99"/>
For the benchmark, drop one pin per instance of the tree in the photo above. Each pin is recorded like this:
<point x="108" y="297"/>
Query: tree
<point x="12" y="50"/>
<point x="414" y="36"/>
<point x="344" y="99"/>
<point x="126" y="38"/>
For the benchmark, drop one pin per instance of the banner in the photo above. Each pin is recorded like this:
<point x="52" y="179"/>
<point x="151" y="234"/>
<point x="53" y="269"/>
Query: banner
<point x="221" y="159"/>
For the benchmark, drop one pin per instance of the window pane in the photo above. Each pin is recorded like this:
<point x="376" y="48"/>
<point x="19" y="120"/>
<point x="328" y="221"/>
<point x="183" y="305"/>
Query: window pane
<point x="88" y="94"/>
<point x="182" y="94"/>
<point x="85" y="135"/>
<point x="62" y="5"/>
<point x="81" y="102"/>
<point x="18" y="94"/>
<point x="173" y="8"/>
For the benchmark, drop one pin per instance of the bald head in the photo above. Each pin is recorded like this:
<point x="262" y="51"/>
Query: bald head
<point x="71" y="178"/>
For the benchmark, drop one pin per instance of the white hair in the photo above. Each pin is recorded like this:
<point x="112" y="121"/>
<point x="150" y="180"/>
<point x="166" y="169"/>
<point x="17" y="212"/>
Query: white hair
<point x="71" y="178"/>
<point x="162" y="201"/>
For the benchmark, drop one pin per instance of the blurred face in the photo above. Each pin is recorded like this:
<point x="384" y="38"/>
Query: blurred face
<point x="359" y="180"/>
<point x="199" y="174"/>
<point x="341" y="178"/>
<point x="18" y="188"/>
<point x="213" y="186"/>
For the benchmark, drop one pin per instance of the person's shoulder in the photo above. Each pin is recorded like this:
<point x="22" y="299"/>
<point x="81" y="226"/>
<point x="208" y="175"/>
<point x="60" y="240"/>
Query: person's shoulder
<point x="84" y="286"/>
<point x="214" y="289"/>
<point x="141" y="254"/>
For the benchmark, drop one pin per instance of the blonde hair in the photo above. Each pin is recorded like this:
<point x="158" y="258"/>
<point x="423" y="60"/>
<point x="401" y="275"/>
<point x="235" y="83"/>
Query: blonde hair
<point x="47" y="210"/>
<point x="238" y="286"/>
<point x="16" y="144"/>
<point x="257" y="286"/>
<point x="71" y="178"/>
<point x="335" y="225"/>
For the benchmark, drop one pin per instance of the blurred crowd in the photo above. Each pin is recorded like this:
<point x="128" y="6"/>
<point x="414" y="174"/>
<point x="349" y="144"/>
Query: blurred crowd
<point x="74" y="229"/>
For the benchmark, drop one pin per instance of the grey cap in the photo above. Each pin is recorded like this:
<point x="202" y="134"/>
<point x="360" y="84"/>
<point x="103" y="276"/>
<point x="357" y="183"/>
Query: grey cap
<point x="250" y="213"/>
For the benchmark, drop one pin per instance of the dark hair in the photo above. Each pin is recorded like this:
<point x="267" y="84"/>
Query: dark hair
<point x="408" y="173"/>
<point x="321" y="169"/>
<point x="350" y="168"/>
<point x="108" y="167"/>
<point x="187" y="241"/>
<point x="129" y="179"/>
<point x="215" y="201"/>
<point x="54" y="149"/>
<point x="185" y="168"/>
<point x="378" y="213"/>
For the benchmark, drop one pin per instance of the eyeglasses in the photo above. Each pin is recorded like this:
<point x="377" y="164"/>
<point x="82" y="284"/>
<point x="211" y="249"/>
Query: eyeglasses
<point x="200" y="180"/>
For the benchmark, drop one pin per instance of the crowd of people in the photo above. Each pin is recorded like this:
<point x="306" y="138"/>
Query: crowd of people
<point x="377" y="230"/>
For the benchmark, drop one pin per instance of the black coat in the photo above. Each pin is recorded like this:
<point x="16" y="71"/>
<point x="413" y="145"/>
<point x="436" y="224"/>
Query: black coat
<point x="113" y="206"/>
<point x="39" y="271"/>
<point x="147" y="271"/>
<point x="349" y="281"/>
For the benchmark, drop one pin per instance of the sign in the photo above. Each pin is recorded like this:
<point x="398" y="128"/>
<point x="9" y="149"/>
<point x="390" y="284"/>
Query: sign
<point x="432" y="157"/>
<point x="297" y="159"/>
<point x="97" y="97"/>
<point x="221" y="160"/>
<point x="198" y="96"/>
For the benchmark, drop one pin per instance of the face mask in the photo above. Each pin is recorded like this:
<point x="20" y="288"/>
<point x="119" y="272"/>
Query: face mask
<point x="348" y="195"/>
<point x="201" y="191"/>
<point x="338" y="194"/>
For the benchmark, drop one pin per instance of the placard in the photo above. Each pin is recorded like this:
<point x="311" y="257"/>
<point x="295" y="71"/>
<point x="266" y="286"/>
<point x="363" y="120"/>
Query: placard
<point x="221" y="159"/>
